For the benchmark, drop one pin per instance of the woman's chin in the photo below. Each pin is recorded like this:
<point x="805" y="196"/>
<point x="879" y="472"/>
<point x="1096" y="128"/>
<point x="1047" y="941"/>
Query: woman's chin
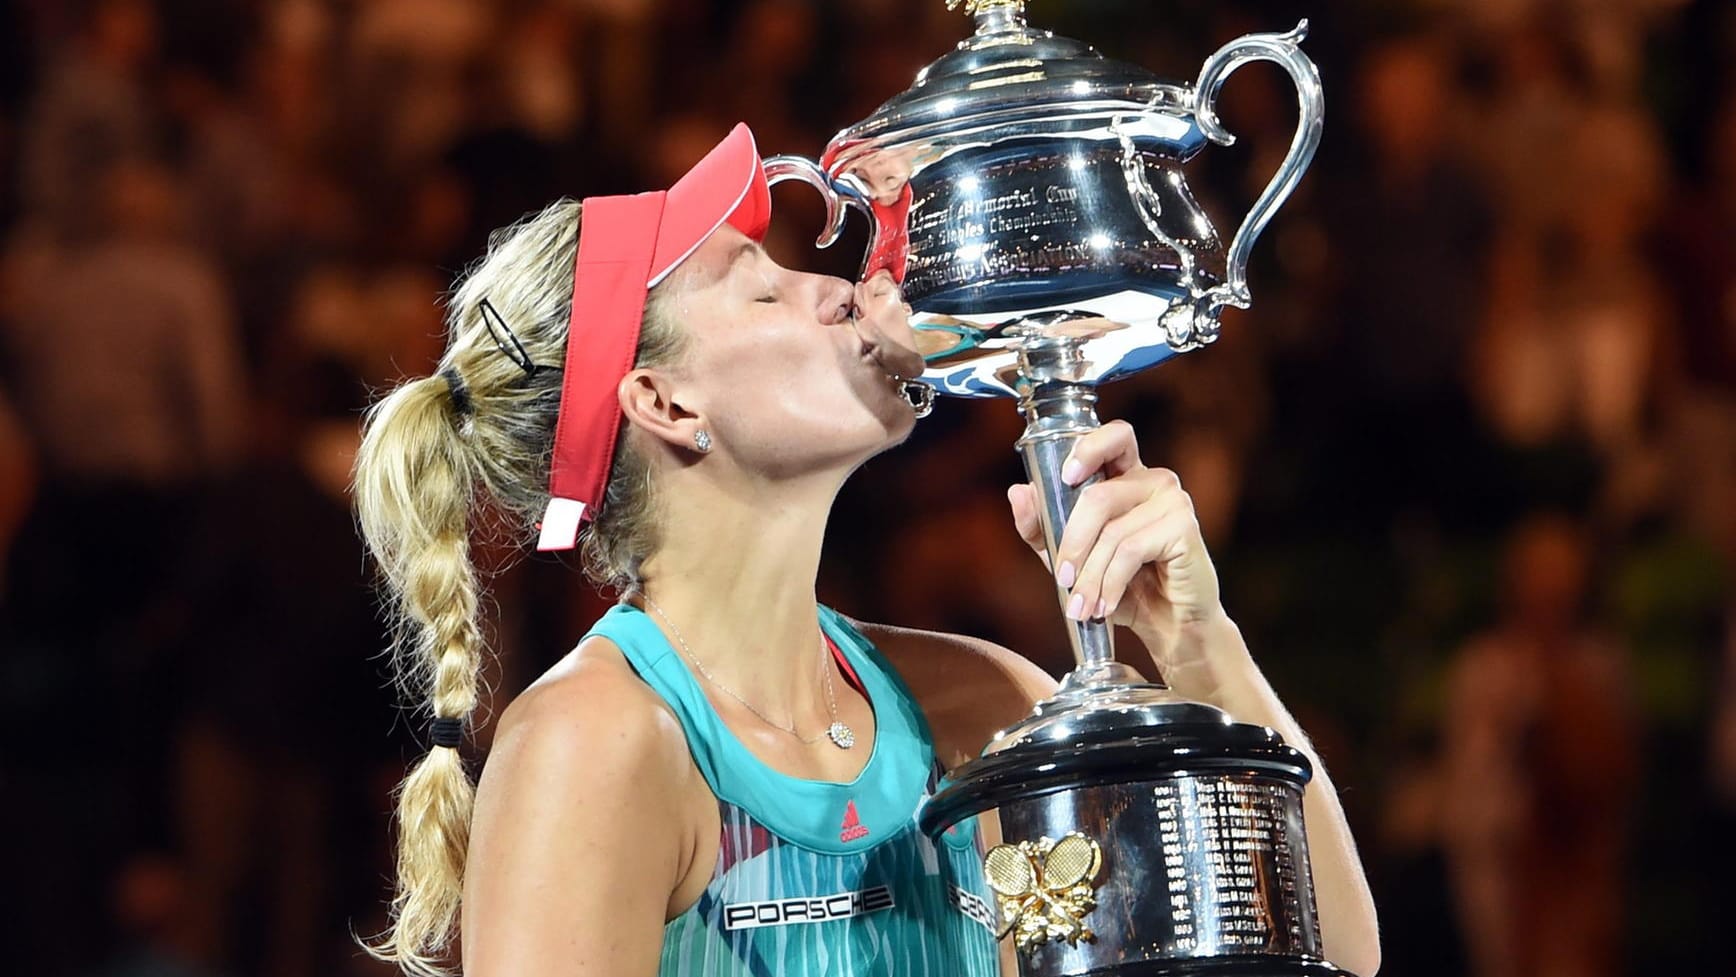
<point x="901" y="419"/>
<point x="897" y="360"/>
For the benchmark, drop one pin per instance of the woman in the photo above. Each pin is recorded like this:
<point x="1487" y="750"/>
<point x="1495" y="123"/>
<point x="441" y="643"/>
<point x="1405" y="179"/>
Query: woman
<point x="722" y="777"/>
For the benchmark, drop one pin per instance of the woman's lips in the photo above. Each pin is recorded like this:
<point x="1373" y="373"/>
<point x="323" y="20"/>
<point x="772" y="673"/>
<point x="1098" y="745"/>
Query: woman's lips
<point x="893" y="357"/>
<point x="897" y="361"/>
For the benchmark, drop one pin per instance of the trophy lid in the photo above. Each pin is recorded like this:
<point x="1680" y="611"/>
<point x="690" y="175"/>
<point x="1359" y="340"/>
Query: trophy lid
<point x="1005" y="73"/>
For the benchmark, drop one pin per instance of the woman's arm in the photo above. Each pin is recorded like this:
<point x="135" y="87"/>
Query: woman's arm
<point x="1348" y="926"/>
<point x="577" y="841"/>
<point x="967" y="688"/>
<point x="1132" y="554"/>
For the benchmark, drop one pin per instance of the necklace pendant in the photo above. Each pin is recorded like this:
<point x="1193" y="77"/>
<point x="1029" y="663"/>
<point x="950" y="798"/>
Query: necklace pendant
<point x="842" y="735"/>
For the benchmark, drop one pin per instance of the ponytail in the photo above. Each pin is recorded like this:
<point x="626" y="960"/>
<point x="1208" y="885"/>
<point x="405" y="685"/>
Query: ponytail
<point x="413" y="489"/>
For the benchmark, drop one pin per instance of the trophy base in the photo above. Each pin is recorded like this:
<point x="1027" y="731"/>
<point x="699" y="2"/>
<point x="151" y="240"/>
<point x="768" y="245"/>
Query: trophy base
<point x="1170" y="834"/>
<point x="1102" y="698"/>
<point x="1076" y="750"/>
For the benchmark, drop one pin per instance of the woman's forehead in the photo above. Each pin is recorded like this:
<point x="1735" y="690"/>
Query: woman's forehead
<point x="725" y="252"/>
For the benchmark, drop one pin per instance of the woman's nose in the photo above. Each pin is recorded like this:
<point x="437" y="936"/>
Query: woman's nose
<point x="876" y="288"/>
<point x="836" y="298"/>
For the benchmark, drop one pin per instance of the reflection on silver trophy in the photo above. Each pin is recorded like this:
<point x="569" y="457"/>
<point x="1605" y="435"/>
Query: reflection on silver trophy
<point x="1029" y="195"/>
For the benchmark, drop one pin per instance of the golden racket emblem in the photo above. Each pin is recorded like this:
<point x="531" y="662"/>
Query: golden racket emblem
<point x="1010" y="871"/>
<point x="1044" y="888"/>
<point x="1074" y="859"/>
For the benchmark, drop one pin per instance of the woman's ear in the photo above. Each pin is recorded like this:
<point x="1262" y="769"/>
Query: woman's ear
<point x="648" y="400"/>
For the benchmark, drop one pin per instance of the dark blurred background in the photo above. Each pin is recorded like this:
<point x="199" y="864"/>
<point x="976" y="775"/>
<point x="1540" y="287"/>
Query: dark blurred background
<point x="1468" y="467"/>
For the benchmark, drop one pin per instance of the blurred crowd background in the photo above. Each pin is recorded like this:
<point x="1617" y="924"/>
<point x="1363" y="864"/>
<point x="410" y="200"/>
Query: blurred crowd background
<point x="1468" y="467"/>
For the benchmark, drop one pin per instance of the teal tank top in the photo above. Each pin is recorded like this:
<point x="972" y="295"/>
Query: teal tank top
<point x="818" y="878"/>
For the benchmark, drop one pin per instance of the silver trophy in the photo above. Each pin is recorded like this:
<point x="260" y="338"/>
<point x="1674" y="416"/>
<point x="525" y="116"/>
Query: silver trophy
<point x="1029" y="192"/>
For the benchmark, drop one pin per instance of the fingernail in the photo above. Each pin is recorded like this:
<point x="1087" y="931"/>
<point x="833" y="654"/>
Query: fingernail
<point x="1076" y="607"/>
<point x="1102" y="609"/>
<point x="1065" y="577"/>
<point x="1070" y="471"/>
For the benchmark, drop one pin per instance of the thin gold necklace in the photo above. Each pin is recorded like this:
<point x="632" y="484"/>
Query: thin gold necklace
<point x="839" y="732"/>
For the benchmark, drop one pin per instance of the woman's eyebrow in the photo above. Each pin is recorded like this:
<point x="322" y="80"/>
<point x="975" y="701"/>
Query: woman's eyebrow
<point x="722" y="273"/>
<point x="747" y="247"/>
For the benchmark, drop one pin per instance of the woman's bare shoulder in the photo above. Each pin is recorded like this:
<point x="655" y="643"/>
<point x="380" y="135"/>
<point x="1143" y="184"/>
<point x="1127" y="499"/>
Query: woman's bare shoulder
<point x="588" y="726"/>
<point x="588" y="781"/>
<point x="956" y="657"/>
<point x="968" y="687"/>
<point x="592" y="700"/>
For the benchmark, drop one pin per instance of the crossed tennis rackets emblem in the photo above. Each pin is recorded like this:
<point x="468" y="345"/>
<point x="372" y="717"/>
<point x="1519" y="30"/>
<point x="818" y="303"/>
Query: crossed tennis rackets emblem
<point x="1044" y="888"/>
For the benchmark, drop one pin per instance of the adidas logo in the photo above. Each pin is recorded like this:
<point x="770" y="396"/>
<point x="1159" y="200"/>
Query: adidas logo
<point x="853" y="828"/>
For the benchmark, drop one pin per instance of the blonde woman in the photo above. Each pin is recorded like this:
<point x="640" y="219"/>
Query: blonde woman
<point x="648" y="385"/>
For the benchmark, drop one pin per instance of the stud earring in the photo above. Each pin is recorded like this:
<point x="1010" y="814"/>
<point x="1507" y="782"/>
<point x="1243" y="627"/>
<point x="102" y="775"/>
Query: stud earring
<point x="702" y="440"/>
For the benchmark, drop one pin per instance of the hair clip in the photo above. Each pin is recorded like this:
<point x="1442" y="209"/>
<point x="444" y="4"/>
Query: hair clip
<point x="502" y="334"/>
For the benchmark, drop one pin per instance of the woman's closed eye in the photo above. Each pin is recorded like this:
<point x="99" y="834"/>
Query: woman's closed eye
<point x="771" y="297"/>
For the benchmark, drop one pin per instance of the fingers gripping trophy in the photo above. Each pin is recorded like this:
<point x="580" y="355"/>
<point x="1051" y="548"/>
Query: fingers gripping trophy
<point x="1028" y="195"/>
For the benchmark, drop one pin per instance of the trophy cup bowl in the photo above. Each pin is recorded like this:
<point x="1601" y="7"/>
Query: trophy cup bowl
<point x="1029" y="196"/>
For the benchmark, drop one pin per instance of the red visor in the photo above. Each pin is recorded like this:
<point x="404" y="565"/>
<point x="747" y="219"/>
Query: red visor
<point x="627" y="244"/>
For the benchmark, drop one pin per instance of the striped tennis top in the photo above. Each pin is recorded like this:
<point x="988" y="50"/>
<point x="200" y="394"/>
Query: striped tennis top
<point x="820" y="878"/>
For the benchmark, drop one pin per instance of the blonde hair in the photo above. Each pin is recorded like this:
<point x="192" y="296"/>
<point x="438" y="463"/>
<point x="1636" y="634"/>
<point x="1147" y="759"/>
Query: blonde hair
<point x="423" y="461"/>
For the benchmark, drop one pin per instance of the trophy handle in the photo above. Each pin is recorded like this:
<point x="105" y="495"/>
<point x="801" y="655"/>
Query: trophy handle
<point x="839" y="195"/>
<point x="1286" y="51"/>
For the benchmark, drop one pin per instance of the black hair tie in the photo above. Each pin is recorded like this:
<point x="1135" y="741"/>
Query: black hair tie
<point x="461" y="402"/>
<point x="447" y="731"/>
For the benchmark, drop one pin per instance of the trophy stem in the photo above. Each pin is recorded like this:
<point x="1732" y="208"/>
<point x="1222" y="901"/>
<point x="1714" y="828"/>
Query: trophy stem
<point x="1057" y="411"/>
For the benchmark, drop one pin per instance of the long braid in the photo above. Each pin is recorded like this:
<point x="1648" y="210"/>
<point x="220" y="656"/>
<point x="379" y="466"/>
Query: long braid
<point x="414" y="488"/>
